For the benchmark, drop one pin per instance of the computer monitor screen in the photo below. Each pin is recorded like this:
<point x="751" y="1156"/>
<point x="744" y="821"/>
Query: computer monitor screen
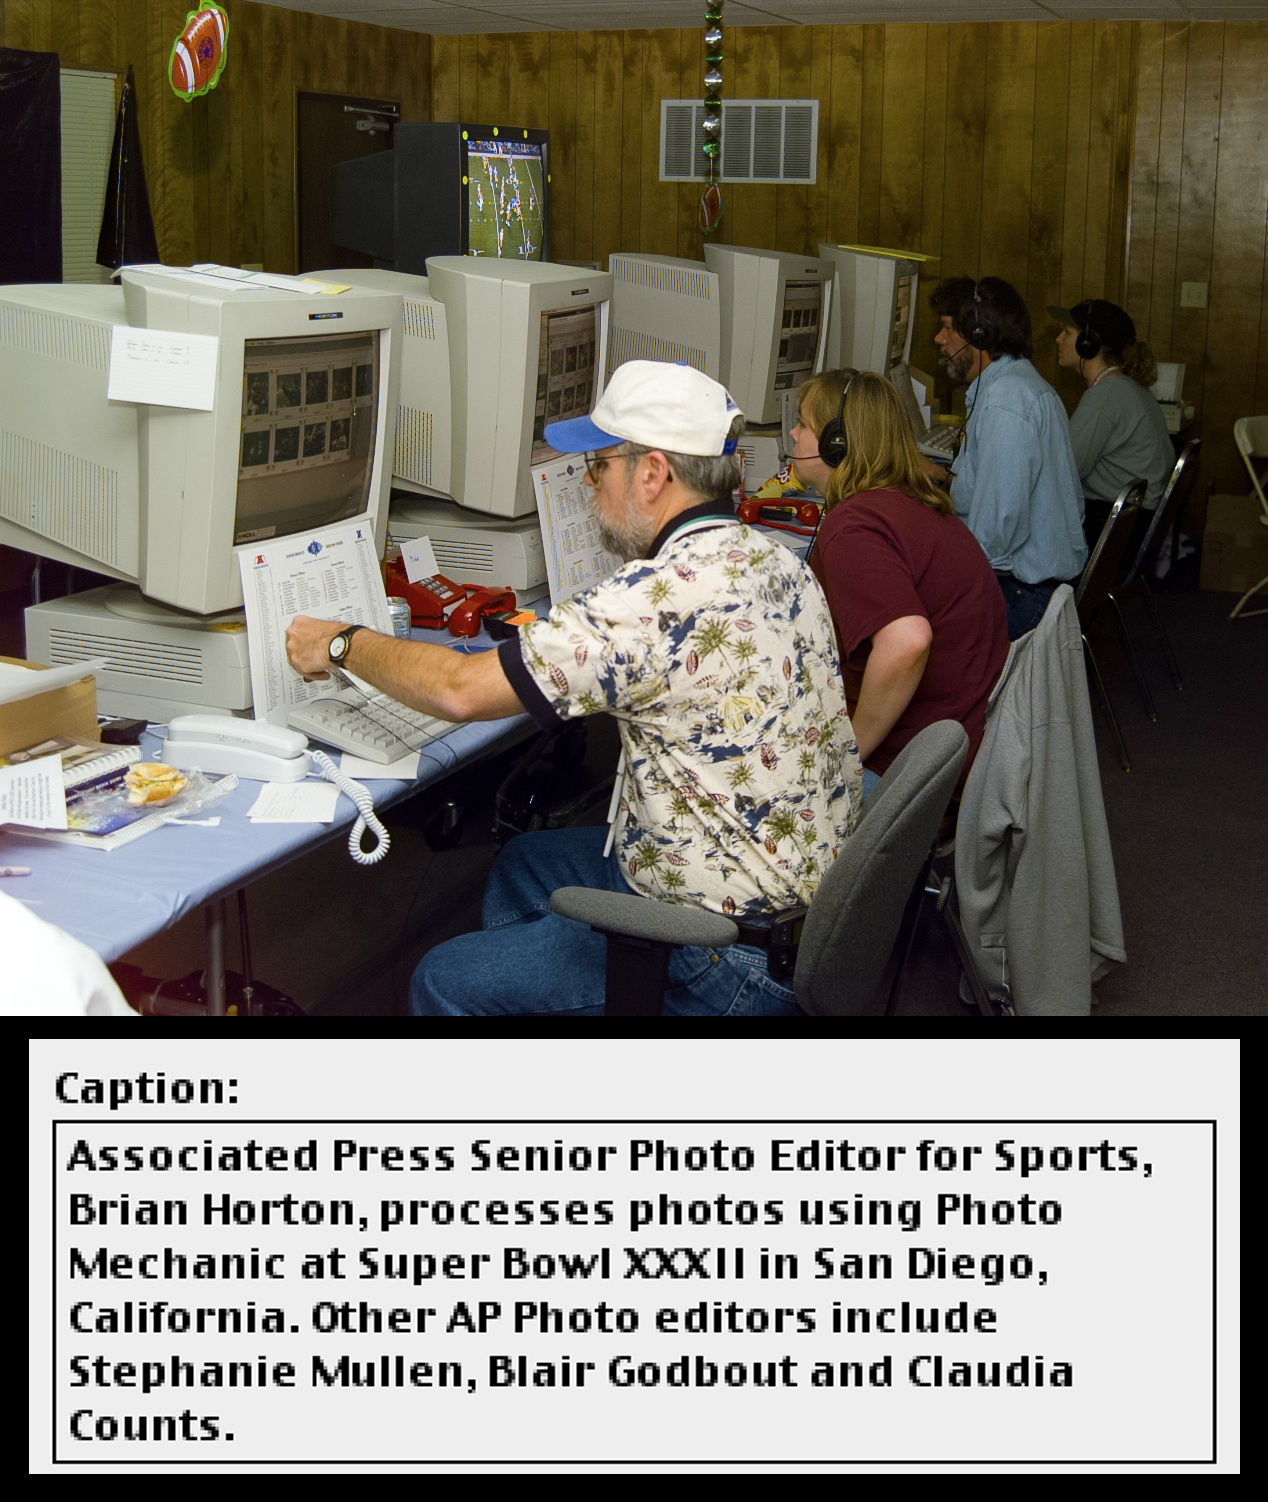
<point x="309" y="410"/>
<point x="506" y="199"/>
<point x="565" y="369"/>
<point x="799" y="338"/>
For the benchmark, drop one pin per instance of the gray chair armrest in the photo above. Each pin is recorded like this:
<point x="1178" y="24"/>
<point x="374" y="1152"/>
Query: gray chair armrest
<point x="644" y="918"/>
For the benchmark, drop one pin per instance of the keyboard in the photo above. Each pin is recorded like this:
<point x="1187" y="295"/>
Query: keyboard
<point x="368" y="725"/>
<point x="939" y="443"/>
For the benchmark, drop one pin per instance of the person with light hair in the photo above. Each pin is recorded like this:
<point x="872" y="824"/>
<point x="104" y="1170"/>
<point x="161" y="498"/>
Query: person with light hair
<point x="921" y="622"/>
<point x="1118" y="431"/>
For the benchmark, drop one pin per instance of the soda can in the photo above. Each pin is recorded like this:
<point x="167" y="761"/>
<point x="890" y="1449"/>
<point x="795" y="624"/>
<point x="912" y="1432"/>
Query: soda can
<point x="398" y="609"/>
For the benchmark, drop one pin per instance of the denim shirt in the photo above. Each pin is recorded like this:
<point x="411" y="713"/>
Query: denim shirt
<point x="1015" y="482"/>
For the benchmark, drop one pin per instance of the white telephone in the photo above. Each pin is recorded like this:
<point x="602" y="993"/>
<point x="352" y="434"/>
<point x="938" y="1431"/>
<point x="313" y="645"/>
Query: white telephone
<point x="221" y="743"/>
<point x="251" y="748"/>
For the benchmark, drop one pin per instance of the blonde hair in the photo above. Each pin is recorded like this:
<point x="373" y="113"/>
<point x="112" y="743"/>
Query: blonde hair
<point x="1138" y="362"/>
<point x="882" y="452"/>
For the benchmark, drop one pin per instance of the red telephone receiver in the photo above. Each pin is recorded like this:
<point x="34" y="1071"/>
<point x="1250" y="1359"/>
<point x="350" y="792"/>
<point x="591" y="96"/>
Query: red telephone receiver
<point x="782" y="515"/>
<point x="437" y="601"/>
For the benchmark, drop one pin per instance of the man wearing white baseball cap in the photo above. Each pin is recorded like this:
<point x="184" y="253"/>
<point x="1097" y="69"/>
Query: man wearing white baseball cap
<point x="714" y="650"/>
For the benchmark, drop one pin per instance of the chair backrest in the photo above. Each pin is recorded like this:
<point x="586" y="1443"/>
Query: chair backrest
<point x="1169" y="503"/>
<point x="854" y="918"/>
<point x="1099" y="576"/>
<point x="1251" y="437"/>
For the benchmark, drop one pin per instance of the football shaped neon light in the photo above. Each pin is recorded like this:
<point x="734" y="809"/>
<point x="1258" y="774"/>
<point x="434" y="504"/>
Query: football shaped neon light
<point x="198" y="54"/>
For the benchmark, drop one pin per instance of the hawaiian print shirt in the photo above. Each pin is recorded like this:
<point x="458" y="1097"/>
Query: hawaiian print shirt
<point x="719" y="660"/>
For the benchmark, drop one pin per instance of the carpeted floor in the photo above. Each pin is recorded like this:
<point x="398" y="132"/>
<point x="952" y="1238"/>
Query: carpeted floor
<point x="1188" y="823"/>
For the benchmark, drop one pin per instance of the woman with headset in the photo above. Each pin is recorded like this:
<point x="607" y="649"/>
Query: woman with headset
<point x="920" y="618"/>
<point x="1118" y="431"/>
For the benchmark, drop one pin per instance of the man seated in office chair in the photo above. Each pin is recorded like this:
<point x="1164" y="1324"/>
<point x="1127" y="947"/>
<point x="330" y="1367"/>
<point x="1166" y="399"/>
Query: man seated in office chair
<point x="714" y="648"/>
<point x="1014" y="480"/>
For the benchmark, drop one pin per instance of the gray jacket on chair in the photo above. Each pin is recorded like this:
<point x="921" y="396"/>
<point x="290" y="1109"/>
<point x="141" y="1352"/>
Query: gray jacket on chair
<point x="1033" y="865"/>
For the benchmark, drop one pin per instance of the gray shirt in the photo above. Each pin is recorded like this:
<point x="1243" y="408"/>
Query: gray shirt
<point x="1119" y="435"/>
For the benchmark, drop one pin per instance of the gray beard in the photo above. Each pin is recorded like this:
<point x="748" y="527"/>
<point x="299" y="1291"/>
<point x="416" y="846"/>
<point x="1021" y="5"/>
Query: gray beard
<point x="629" y="538"/>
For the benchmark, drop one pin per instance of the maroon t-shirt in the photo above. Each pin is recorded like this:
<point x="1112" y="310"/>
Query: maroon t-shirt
<point x="882" y="555"/>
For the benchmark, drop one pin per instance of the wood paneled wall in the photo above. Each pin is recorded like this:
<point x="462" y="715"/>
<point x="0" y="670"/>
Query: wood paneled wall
<point x="221" y="169"/>
<point x="1199" y="213"/>
<point x="1001" y="148"/>
<point x="1089" y="159"/>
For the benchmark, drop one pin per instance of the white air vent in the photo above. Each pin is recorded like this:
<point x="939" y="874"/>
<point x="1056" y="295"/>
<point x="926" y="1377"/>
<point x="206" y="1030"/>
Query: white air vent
<point x="634" y="344"/>
<point x="60" y="496"/>
<point x="462" y="560"/>
<point x="414" y="443"/>
<point x="74" y="340"/>
<point x="156" y="661"/>
<point x="419" y="320"/>
<point x="763" y="140"/>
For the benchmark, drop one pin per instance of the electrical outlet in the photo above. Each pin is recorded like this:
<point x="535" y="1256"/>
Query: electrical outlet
<point x="1193" y="294"/>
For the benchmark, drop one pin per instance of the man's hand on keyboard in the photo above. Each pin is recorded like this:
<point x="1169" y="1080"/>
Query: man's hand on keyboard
<point x="308" y="645"/>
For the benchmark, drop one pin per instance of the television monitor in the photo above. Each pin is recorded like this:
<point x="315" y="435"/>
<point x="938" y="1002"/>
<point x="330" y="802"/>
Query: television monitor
<point x="664" y="308"/>
<point x="446" y="189"/>
<point x="873" y="306"/>
<point x="775" y="309"/>
<point x="493" y="350"/>
<point x="161" y="497"/>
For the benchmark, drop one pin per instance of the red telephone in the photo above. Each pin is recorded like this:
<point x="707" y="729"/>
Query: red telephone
<point x="786" y="514"/>
<point x="433" y="601"/>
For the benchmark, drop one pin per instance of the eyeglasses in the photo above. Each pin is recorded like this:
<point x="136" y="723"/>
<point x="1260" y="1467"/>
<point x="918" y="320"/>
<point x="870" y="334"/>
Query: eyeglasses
<point x="595" y="465"/>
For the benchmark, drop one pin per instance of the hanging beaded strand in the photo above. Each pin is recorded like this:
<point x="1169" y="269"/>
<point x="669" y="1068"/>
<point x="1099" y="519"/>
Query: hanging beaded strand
<point x="711" y="125"/>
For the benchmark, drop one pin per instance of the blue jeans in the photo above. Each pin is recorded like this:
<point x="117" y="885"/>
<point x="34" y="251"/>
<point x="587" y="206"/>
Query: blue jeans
<point x="529" y="961"/>
<point x="1023" y="603"/>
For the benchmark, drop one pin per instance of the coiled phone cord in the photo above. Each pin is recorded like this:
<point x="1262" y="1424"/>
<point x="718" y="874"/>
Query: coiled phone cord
<point x="366" y="817"/>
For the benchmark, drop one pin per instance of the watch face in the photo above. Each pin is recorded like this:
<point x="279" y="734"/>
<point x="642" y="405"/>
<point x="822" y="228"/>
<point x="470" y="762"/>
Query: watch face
<point x="338" y="646"/>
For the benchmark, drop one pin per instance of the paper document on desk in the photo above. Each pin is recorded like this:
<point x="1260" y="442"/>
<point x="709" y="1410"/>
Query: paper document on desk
<point x="295" y="803"/>
<point x="575" y="555"/>
<point x="331" y="575"/>
<point x="32" y="794"/>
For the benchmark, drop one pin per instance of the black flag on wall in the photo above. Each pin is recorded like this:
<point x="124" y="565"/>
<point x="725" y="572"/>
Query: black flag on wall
<point x="127" y="228"/>
<point x="30" y="167"/>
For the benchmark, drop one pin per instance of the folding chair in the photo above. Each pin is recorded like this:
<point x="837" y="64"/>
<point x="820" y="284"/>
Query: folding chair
<point x="1168" y="511"/>
<point x="1251" y="437"/>
<point x="1093" y="590"/>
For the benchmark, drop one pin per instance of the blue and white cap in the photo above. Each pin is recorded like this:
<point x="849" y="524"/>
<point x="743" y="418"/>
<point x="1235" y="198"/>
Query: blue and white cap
<point x="672" y="407"/>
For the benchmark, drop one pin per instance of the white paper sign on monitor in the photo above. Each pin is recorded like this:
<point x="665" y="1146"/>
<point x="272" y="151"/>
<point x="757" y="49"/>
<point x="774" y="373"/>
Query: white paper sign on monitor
<point x="419" y="559"/>
<point x="163" y="369"/>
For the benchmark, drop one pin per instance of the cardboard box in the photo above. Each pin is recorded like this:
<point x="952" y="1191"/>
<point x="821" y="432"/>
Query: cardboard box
<point x="1234" y="544"/>
<point x="69" y="710"/>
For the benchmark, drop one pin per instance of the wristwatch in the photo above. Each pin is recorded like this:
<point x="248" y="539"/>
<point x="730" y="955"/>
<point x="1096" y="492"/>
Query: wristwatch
<point x="338" y="648"/>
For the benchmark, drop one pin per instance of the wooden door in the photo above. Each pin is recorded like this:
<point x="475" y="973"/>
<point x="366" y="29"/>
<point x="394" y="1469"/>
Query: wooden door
<point x="333" y="128"/>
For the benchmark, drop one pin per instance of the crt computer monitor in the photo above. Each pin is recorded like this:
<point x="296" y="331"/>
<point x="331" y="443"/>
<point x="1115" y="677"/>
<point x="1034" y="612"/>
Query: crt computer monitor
<point x="446" y="189"/>
<point x="493" y="351"/>
<point x="775" y="309"/>
<point x="664" y="308"/>
<point x="163" y="497"/>
<point x="873" y="306"/>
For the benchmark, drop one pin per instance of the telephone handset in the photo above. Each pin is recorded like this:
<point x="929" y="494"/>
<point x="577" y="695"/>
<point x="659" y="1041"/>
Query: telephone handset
<point x="271" y="753"/>
<point x="251" y="748"/>
<point x="439" y="601"/>
<point x="783" y="515"/>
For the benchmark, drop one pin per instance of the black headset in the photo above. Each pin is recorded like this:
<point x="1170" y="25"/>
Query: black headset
<point x="833" y="444"/>
<point x="978" y="335"/>
<point x="1088" y="344"/>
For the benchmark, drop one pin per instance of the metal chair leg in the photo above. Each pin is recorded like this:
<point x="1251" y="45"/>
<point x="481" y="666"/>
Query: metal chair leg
<point x="1237" y="613"/>
<point x="909" y="925"/>
<point x="1109" y="708"/>
<point x="1160" y="631"/>
<point x="1135" y="661"/>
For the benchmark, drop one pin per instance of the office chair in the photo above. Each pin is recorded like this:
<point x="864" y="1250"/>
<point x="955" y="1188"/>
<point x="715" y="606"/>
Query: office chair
<point x="849" y="928"/>
<point x="1168" y="512"/>
<point x="1251" y="437"/>
<point x="1093" y="589"/>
